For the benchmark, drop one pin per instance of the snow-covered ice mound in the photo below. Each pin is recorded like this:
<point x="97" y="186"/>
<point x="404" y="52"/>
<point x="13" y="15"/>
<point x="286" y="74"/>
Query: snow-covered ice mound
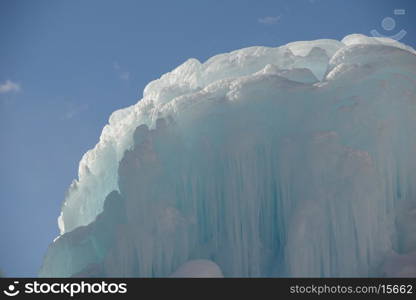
<point x="288" y="161"/>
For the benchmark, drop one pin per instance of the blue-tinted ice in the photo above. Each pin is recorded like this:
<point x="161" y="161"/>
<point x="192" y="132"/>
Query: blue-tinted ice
<point x="290" y="161"/>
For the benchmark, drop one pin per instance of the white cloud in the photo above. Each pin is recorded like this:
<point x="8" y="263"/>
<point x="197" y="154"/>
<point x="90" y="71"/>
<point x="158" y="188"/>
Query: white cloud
<point x="116" y="66"/>
<point x="269" y="20"/>
<point x="9" y="86"/>
<point x="124" y="75"/>
<point x="73" y="110"/>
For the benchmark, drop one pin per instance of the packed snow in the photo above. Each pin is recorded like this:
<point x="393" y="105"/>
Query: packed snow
<point x="289" y="161"/>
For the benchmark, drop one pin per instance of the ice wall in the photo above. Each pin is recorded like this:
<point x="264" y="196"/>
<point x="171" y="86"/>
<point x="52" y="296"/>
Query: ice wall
<point x="287" y="161"/>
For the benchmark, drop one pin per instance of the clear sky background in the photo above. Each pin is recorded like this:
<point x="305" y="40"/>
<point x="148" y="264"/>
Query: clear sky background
<point x="66" y="65"/>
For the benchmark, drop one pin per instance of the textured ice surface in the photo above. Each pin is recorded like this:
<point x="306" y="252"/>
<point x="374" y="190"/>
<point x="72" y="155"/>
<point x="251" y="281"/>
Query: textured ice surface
<point x="199" y="268"/>
<point x="288" y="161"/>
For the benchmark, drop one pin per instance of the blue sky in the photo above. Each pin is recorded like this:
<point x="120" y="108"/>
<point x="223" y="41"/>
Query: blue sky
<point x="66" y="65"/>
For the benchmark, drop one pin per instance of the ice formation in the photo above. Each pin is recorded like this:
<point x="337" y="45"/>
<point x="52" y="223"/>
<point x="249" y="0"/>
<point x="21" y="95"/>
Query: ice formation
<point x="288" y="161"/>
<point x="199" y="268"/>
